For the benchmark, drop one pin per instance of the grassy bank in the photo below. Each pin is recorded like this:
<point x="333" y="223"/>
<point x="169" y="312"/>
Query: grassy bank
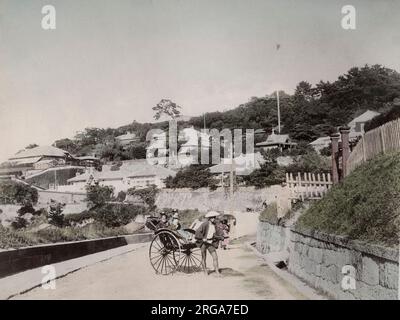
<point x="365" y="206"/>
<point x="21" y="238"/>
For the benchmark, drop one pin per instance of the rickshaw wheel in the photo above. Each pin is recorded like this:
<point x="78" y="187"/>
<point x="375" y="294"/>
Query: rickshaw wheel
<point x="164" y="252"/>
<point x="190" y="260"/>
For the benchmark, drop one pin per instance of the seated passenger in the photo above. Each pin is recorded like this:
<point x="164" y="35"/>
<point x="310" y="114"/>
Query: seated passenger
<point x="163" y="222"/>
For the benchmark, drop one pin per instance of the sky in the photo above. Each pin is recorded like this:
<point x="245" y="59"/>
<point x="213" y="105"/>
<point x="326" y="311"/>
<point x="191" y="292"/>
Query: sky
<point x="108" y="63"/>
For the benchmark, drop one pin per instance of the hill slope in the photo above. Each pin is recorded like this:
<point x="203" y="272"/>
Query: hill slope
<point x="365" y="206"/>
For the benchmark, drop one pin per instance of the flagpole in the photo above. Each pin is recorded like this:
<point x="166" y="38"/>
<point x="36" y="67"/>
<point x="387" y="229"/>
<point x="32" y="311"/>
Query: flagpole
<point x="279" y="112"/>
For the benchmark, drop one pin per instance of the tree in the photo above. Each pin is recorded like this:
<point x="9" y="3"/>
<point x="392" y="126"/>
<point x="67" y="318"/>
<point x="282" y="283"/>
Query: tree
<point x="98" y="196"/>
<point x="194" y="177"/>
<point x="56" y="216"/>
<point x="147" y="195"/>
<point x="67" y="145"/>
<point x="167" y="107"/>
<point x="303" y="91"/>
<point x="15" y="192"/>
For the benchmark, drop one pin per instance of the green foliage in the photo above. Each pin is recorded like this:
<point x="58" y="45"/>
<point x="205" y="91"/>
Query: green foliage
<point x="327" y="151"/>
<point x="328" y="105"/>
<point x="67" y="145"/>
<point x="269" y="174"/>
<point x="193" y="177"/>
<point x="14" y="239"/>
<point x="98" y="195"/>
<point x="365" y="206"/>
<point x="392" y="114"/>
<point x="27" y="209"/>
<point x="55" y="215"/>
<point x="121" y="196"/>
<point x="116" y="214"/>
<point x="167" y="107"/>
<point x="70" y="219"/>
<point x="147" y="195"/>
<point x="310" y="162"/>
<point x="12" y="192"/>
<point x="19" y="223"/>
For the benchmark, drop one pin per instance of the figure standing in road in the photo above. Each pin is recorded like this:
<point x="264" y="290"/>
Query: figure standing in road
<point x="208" y="238"/>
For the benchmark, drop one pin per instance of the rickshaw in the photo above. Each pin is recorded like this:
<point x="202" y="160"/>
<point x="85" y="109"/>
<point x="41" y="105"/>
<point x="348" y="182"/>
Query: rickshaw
<point x="170" y="251"/>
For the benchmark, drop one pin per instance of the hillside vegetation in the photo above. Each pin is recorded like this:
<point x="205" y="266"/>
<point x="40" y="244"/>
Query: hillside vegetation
<point x="365" y="206"/>
<point x="311" y="112"/>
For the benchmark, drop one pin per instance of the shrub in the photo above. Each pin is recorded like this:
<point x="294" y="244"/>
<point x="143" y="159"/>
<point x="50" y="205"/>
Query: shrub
<point x="147" y="195"/>
<point x="19" y="223"/>
<point x="56" y="216"/>
<point x="121" y="196"/>
<point x="78" y="217"/>
<point x="310" y="162"/>
<point x="117" y="214"/>
<point x="12" y="192"/>
<point x="26" y="209"/>
<point x="193" y="177"/>
<point x="98" y="195"/>
<point x="364" y="206"/>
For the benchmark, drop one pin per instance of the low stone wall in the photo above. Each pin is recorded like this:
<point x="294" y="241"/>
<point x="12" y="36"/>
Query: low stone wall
<point x="65" y="197"/>
<point x="203" y="199"/>
<point x="319" y="259"/>
<point x="270" y="237"/>
<point x="14" y="261"/>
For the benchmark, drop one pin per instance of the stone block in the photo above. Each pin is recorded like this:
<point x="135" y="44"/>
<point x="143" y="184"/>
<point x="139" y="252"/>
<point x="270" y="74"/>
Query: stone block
<point x="370" y="271"/>
<point x="389" y="275"/>
<point x="330" y="273"/>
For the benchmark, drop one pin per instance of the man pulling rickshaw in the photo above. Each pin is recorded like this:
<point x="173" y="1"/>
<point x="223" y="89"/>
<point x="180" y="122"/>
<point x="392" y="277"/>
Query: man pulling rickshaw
<point x="175" y="249"/>
<point x="208" y="236"/>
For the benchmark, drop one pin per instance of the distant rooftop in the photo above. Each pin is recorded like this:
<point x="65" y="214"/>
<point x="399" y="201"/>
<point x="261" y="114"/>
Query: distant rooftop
<point x="127" y="136"/>
<point x="42" y="151"/>
<point x="129" y="169"/>
<point x="366" y="116"/>
<point x="274" y="139"/>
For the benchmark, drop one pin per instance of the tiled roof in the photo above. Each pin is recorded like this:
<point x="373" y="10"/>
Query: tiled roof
<point x="366" y="116"/>
<point x="275" y="139"/>
<point x="49" y="151"/>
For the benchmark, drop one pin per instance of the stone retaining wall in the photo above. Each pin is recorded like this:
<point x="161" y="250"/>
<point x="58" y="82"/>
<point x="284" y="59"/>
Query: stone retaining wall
<point x="204" y="199"/>
<point x="270" y="237"/>
<point x="319" y="259"/>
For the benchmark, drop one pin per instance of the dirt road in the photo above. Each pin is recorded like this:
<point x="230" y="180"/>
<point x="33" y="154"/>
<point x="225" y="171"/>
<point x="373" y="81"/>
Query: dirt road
<point x="130" y="276"/>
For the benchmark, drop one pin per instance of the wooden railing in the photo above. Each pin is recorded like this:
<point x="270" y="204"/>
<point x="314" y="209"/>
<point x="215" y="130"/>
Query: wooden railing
<point x="385" y="138"/>
<point x="308" y="185"/>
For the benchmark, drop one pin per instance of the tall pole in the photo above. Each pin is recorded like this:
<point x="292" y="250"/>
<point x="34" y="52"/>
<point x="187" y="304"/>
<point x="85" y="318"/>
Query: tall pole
<point x="279" y="112"/>
<point x="204" y="120"/>
<point x="231" y="176"/>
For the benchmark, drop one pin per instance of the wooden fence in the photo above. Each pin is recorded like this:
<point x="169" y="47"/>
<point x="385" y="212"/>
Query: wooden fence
<point x="383" y="139"/>
<point x="308" y="185"/>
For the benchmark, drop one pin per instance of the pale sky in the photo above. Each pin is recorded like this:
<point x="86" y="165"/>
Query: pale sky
<point x="109" y="62"/>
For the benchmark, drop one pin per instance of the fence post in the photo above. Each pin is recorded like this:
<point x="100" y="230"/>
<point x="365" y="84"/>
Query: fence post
<point x="335" y="150"/>
<point x="363" y="147"/>
<point x="344" y="131"/>
<point x="382" y="138"/>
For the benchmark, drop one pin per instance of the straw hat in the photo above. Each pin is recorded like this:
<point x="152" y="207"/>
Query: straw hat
<point x="212" y="214"/>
